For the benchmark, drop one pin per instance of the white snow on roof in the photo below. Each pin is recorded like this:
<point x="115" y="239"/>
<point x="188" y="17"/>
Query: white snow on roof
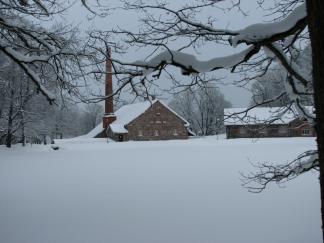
<point x="94" y="132"/>
<point x="259" y="115"/>
<point x="127" y="113"/>
<point x="118" y="128"/>
<point x="124" y="115"/>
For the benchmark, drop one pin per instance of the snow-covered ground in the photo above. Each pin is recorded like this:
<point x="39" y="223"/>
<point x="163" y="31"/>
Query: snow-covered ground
<point x="187" y="191"/>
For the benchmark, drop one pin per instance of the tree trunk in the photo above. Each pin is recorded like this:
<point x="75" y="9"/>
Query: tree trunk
<point x="315" y="10"/>
<point x="10" y="121"/>
<point x="23" y="135"/>
<point x="44" y="139"/>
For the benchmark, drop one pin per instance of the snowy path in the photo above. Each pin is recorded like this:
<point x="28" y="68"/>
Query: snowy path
<point x="171" y="192"/>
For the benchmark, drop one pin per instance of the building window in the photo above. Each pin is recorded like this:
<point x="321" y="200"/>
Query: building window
<point x="158" y="122"/>
<point x="175" y="132"/>
<point x="156" y="133"/>
<point x="263" y="132"/>
<point x="164" y="122"/>
<point x="140" y="133"/>
<point x="305" y="132"/>
<point x="242" y="130"/>
<point x="158" y="113"/>
<point x="283" y="130"/>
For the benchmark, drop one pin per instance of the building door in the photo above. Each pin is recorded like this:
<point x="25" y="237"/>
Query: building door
<point x="120" y="138"/>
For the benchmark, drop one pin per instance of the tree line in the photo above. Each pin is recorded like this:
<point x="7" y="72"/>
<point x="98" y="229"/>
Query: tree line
<point x="27" y="117"/>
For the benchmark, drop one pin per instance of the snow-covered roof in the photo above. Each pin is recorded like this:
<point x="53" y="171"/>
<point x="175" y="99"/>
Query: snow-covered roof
<point x="94" y="132"/>
<point x="128" y="113"/>
<point x="260" y="115"/>
<point x="118" y="128"/>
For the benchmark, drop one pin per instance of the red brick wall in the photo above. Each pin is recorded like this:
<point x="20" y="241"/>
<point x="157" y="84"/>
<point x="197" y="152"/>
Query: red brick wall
<point x="157" y="123"/>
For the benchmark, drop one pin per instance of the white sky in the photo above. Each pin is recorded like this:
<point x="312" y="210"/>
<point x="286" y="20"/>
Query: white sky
<point x="128" y="20"/>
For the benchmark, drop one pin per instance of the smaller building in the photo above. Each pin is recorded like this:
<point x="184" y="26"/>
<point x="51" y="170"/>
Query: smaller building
<point x="266" y="122"/>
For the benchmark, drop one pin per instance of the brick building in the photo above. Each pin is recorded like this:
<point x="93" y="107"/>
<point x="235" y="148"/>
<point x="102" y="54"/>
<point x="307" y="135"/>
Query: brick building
<point x="148" y="120"/>
<point x="266" y="122"/>
<point x="145" y="121"/>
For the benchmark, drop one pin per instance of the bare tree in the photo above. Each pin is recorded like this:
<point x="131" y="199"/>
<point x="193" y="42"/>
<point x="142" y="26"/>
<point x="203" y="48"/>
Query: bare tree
<point x="17" y="92"/>
<point x="52" y="60"/>
<point x="268" y="172"/>
<point x="270" y="85"/>
<point x="26" y="116"/>
<point x="37" y="50"/>
<point x="203" y="107"/>
<point x="92" y="116"/>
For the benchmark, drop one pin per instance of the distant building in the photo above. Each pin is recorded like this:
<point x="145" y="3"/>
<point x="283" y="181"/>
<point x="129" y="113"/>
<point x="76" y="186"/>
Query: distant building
<point x="266" y="122"/>
<point x="148" y="120"/>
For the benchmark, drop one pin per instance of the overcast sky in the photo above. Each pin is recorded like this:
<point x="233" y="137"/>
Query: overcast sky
<point x="128" y="20"/>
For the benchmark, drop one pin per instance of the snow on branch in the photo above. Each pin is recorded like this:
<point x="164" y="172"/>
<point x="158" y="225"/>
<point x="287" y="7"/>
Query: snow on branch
<point x="184" y="24"/>
<point x="29" y="63"/>
<point x="254" y="36"/>
<point x="257" y="33"/>
<point x="189" y="63"/>
<point x="267" y="172"/>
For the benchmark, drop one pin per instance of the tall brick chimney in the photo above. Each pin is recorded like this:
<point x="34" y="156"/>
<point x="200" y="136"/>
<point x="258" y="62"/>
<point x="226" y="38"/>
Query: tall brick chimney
<point x="109" y="116"/>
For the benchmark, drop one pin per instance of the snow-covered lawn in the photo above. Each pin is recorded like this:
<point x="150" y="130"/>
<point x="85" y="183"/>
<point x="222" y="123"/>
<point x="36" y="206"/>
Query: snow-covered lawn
<point x="154" y="192"/>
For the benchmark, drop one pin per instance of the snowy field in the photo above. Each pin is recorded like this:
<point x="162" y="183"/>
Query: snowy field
<point x="154" y="192"/>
